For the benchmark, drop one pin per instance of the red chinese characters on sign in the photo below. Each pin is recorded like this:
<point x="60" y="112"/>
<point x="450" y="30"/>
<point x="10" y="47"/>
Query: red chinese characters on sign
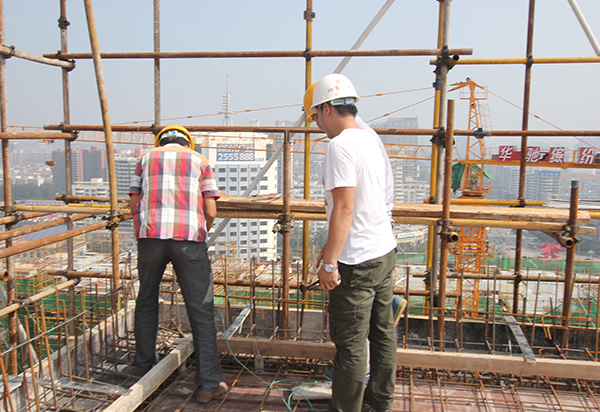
<point x="587" y="155"/>
<point x="556" y="155"/>
<point x="533" y="154"/>
<point x="505" y="153"/>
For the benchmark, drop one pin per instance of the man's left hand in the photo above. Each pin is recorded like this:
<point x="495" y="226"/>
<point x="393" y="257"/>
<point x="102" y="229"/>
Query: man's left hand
<point x="328" y="280"/>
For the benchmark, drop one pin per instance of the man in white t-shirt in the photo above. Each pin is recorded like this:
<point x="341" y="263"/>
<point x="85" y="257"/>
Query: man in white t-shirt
<point x="359" y="257"/>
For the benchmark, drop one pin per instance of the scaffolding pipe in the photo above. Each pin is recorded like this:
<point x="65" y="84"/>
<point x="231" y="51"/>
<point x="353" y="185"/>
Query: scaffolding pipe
<point x="569" y="266"/>
<point x="9" y="52"/>
<point x="157" y="119"/>
<point x="585" y="26"/>
<point x="8" y="201"/>
<point x="34" y="244"/>
<point x="112" y="182"/>
<point x="20" y="216"/>
<point x="34" y="136"/>
<point x="63" y="24"/>
<point x="37" y="297"/>
<point x="495" y="202"/>
<point x="77" y="199"/>
<point x="285" y="232"/>
<point x="256" y="54"/>
<point x="445" y="223"/>
<point x="72" y="274"/>
<point x="309" y="15"/>
<point x="92" y="210"/>
<point x="9" y="234"/>
<point x="521" y="60"/>
<point x="523" y="160"/>
<point x="298" y="129"/>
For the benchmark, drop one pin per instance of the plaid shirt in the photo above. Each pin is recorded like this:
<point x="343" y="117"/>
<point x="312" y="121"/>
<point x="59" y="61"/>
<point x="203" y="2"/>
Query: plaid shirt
<point x="172" y="182"/>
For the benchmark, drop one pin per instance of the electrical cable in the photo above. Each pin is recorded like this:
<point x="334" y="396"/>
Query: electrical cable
<point x="274" y="383"/>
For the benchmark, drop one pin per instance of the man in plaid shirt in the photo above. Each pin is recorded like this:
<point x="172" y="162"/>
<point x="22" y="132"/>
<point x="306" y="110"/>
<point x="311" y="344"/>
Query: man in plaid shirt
<point x="172" y="194"/>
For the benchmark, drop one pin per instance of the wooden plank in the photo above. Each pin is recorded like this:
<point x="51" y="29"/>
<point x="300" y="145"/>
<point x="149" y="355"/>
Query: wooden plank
<point x="153" y="379"/>
<point x="426" y="359"/>
<point x="408" y="210"/>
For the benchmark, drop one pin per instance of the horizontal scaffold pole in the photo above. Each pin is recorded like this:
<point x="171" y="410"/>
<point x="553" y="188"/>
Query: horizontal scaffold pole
<point x="257" y="54"/>
<point x="38" y="296"/>
<point x="523" y="60"/>
<point x="34" y="136"/>
<point x="10" y="51"/>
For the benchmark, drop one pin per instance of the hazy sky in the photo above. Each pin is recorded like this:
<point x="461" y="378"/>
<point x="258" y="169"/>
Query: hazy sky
<point x="565" y="95"/>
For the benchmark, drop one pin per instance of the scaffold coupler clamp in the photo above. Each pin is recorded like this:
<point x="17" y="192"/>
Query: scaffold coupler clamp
<point x="480" y="133"/>
<point x="11" y="52"/>
<point x="450" y="235"/>
<point x="112" y="222"/>
<point x="440" y="137"/>
<point x="9" y="210"/>
<point x="569" y="236"/>
<point x="63" y="129"/>
<point x="445" y="60"/>
<point x="284" y="223"/>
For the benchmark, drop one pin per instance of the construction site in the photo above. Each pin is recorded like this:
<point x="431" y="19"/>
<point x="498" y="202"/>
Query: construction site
<point x="482" y="330"/>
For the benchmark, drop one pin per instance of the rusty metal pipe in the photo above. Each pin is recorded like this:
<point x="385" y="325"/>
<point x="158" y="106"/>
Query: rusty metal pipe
<point x="523" y="160"/>
<point x="21" y="216"/>
<point x="10" y="52"/>
<point x="35" y="136"/>
<point x="110" y="155"/>
<point x="255" y="54"/>
<point x="9" y="234"/>
<point x="285" y="254"/>
<point x="569" y="267"/>
<point x="521" y="60"/>
<point x="38" y="296"/>
<point x="77" y="199"/>
<point x="34" y="244"/>
<point x="445" y="224"/>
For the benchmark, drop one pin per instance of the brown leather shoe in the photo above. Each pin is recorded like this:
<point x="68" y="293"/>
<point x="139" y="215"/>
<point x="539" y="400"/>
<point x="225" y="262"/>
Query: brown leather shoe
<point x="221" y="390"/>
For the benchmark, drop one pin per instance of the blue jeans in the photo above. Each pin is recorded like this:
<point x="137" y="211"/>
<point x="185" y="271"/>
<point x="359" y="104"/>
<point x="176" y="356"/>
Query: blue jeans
<point x="194" y="274"/>
<point x="360" y="307"/>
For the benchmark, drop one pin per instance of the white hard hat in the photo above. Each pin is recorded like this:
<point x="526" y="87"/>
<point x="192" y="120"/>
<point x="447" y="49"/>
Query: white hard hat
<point x="336" y="89"/>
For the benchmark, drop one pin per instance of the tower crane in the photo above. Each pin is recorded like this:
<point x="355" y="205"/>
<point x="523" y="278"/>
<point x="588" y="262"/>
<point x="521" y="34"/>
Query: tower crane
<point x="472" y="247"/>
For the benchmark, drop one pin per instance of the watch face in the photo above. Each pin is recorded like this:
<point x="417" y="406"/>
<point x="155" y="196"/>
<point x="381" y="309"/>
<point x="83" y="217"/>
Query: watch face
<point x="329" y="267"/>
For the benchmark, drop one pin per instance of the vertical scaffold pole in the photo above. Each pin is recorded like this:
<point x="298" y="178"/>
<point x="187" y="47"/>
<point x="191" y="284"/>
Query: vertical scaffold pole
<point x="569" y="267"/>
<point x="523" y="160"/>
<point x="285" y="254"/>
<point x="112" y="182"/>
<point x="308" y="16"/>
<point x="445" y="225"/>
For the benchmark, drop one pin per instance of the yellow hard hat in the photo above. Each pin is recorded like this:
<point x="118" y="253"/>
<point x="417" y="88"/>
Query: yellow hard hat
<point x="175" y="127"/>
<point x="308" y="99"/>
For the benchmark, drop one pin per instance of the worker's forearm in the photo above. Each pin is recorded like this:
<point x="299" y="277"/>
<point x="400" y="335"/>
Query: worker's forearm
<point x="339" y="227"/>
<point x="133" y="202"/>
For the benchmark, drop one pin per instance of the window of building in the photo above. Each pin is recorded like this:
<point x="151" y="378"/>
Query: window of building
<point x="222" y="179"/>
<point x="244" y="224"/>
<point x="233" y="169"/>
<point x="264" y="223"/>
<point x="263" y="250"/>
<point x="232" y="224"/>
<point x="263" y="232"/>
<point x="244" y="251"/>
<point x="244" y="169"/>
<point x="253" y="233"/>
<point x="243" y="179"/>
<point x="253" y="241"/>
<point x="243" y="242"/>
<point x="264" y="187"/>
<point x="222" y="170"/>
<point x="253" y="224"/>
<point x="254" y="169"/>
<point x="243" y="233"/>
<point x="233" y="188"/>
<point x="264" y="179"/>
<point x="253" y="250"/>
<point x="263" y="241"/>
<point x="232" y="233"/>
<point x="222" y="188"/>
<point x="243" y="187"/>
<point x="221" y="234"/>
<point x="233" y="179"/>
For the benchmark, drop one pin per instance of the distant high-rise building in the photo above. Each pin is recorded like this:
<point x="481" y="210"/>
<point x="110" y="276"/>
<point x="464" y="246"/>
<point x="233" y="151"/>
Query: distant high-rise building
<point x="541" y="184"/>
<point x="235" y="169"/>
<point x="399" y="123"/>
<point x="94" y="164"/>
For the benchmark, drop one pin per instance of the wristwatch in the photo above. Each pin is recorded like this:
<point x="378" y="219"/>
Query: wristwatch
<point x="329" y="267"/>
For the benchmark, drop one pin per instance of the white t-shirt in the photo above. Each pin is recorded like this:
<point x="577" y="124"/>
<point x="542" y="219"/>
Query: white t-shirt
<point x="354" y="159"/>
<point x="390" y="195"/>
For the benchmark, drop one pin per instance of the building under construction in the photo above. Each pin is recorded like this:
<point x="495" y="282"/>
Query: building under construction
<point x="478" y="334"/>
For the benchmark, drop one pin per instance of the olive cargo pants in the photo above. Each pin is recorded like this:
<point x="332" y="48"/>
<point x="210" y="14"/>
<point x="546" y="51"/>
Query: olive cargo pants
<point x="360" y="308"/>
